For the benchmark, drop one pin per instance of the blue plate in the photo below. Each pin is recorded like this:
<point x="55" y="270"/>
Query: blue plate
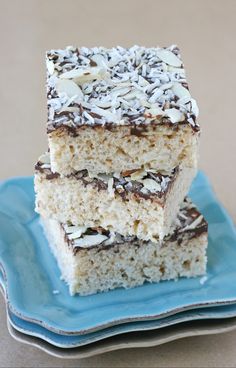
<point x="72" y="341"/>
<point x="32" y="274"/>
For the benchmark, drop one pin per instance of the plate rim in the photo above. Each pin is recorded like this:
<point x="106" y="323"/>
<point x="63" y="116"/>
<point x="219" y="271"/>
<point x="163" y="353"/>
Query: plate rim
<point x="47" y="339"/>
<point x="100" y="338"/>
<point x="109" y="346"/>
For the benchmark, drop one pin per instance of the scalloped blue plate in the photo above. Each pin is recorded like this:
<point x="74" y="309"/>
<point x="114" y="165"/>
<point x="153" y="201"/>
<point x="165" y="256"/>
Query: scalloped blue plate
<point x="73" y="341"/>
<point x="32" y="275"/>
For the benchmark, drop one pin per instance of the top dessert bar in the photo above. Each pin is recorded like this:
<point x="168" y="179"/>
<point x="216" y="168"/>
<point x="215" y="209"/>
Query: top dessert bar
<point x="119" y="109"/>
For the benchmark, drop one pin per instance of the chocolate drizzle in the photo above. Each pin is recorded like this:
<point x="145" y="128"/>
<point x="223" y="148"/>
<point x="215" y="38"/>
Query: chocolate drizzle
<point x="182" y="232"/>
<point x="122" y="186"/>
<point x="47" y="172"/>
<point x="137" y="130"/>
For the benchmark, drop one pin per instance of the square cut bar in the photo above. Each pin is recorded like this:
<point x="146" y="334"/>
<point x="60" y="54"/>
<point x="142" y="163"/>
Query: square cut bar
<point x="117" y="109"/>
<point x="94" y="260"/>
<point x="137" y="202"/>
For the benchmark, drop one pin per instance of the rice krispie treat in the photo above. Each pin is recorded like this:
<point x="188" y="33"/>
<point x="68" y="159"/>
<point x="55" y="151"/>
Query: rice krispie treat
<point x="134" y="202"/>
<point x="94" y="259"/>
<point x="117" y="109"/>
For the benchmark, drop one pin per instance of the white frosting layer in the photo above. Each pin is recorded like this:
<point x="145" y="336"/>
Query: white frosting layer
<point x="118" y="85"/>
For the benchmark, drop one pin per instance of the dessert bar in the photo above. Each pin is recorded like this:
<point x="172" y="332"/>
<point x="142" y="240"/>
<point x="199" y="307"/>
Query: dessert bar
<point x="133" y="202"/>
<point x="95" y="259"/>
<point x="117" y="109"/>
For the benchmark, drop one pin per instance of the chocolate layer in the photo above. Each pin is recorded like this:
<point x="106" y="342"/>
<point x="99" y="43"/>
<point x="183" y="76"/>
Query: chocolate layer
<point x="189" y="224"/>
<point x="122" y="185"/>
<point x="138" y="131"/>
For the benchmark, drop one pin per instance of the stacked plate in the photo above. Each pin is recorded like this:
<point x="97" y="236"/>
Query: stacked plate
<point x="41" y="312"/>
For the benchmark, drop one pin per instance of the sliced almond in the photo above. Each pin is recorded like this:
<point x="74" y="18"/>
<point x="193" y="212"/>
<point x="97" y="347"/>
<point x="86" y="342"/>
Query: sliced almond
<point x="144" y="190"/>
<point x="115" y="59"/>
<point x="72" y="74"/>
<point x="149" y="169"/>
<point x="116" y="175"/>
<point x="120" y="92"/>
<point x="180" y="91"/>
<point x="131" y="95"/>
<point x="145" y="103"/>
<point x="182" y="215"/>
<point x="166" y="86"/>
<point x="45" y="158"/>
<point x="195" y="108"/>
<point x="137" y="175"/>
<point x="122" y="85"/>
<point x="69" y="229"/>
<point x="89" y="117"/>
<point x="111" y="239"/>
<point x="142" y="81"/>
<point x="152" y="86"/>
<point x="98" y="229"/>
<point x="151" y="185"/>
<point x="88" y="88"/>
<point x="164" y="182"/>
<point x="184" y="100"/>
<point x="106" y="113"/>
<point x="70" y="88"/>
<point x="181" y="72"/>
<point x="169" y="57"/>
<point x="128" y="172"/>
<point x="175" y="115"/>
<point x="70" y="101"/>
<point x="155" y="111"/>
<point x="90" y="240"/>
<point x="193" y="225"/>
<point x="46" y="166"/>
<point x="50" y="66"/>
<point x="51" y="113"/>
<point x="77" y="234"/>
<point x="69" y="109"/>
<point x="99" y="60"/>
<point x="157" y="93"/>
<point x="104" y="177"/>
<point x="104" y="104"/>
<point x="110" y="188"/>
<point x="81" y="76"/>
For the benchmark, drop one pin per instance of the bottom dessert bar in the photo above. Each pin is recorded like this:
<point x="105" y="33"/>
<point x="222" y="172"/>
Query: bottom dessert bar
<point x="92" y="260"/>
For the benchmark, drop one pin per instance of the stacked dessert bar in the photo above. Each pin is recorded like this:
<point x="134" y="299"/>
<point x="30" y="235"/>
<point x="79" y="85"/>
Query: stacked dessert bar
<point x="123" y="150"/>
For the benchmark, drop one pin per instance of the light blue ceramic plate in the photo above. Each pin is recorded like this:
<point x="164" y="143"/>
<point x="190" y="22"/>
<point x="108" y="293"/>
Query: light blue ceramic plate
<point x="72" y="341"/>
<point x="32" y="274"/>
